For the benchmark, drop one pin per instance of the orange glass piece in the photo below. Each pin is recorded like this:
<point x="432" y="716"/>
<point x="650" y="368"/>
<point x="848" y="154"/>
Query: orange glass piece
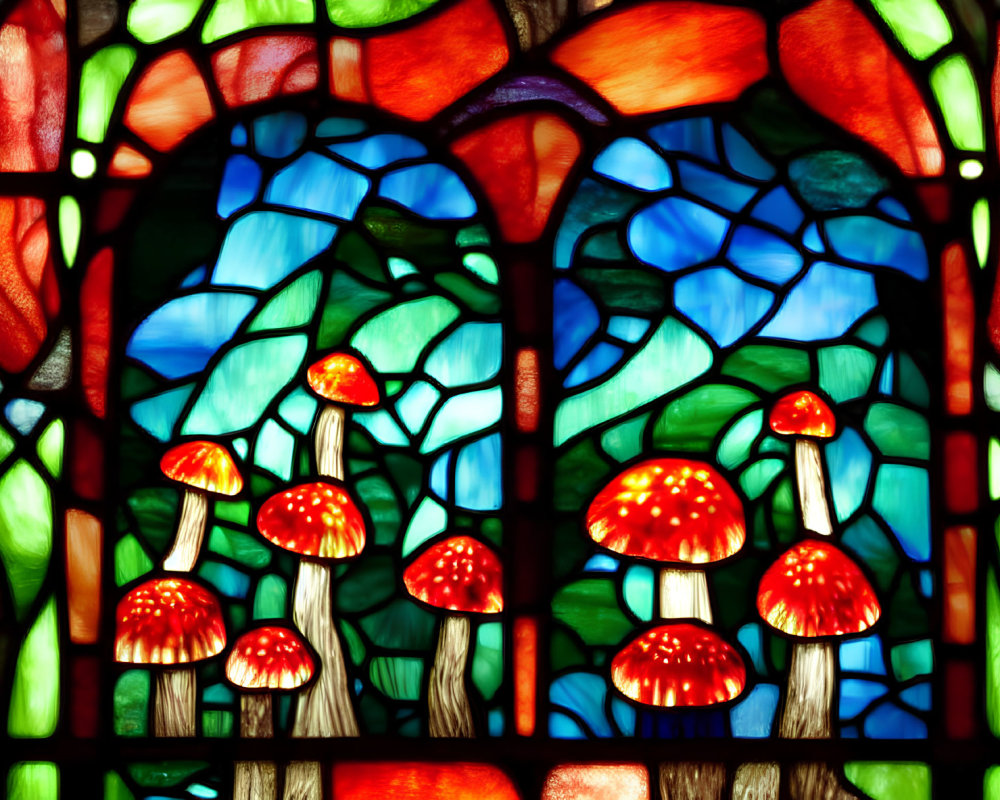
<point x="960" y="585"/>
<point x="269" y="657"/>
<point x="169" y="102"/>
<point x="961" y="475"/>
<point x="202" y="465"/>
<point x="457" y="574"/>
<point x="347" y="77"/>
<point x="597" y="782"/>
<point x="84" y="534"/>
<point x="29" y="292"/>
<point x="95" y="329"/>
<point x="128" y="162"/>
<point x="803" y="414"/>
<point x="525" y="674"/>
<point x="673" y="510"/>
<point x="265" y="67"/>
<point x="959" y="330"/>
<point x="657" y="55"/>
<point x="814" y="589"/>
<point x="343" y="379"/>
<point x="32" y="86"/>
<point x="521" y="163"/>
<point x="313" y="519"/>
<point x="527" y="388"/>
<point x="836" y="61"/>
<point x="416" y="780"/>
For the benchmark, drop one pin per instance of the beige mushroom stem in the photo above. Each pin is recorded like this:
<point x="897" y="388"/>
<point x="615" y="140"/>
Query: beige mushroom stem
<point x="759" y="780"/>
<point x="812" y="487"/>
<point x="329" y="442"/>
<point x="174" y="706"/>
<point x="303" y="781"/>
<point x="184" y="553"/>
<point x="448" y="709"/>
<point x="684" y="594"/>
<point x="255" y="780"/>
<point x="692" y="780"/>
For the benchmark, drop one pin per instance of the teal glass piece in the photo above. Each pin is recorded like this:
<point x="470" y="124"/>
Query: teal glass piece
<point x="849" y="463"/>
<point x="415" y="404"/>
<point x="428" y="521"/>
<point x="471" y="354"/>
<point x="274" y="450"/>
<point x="463" y="415"/>
<point x="280" y="134"/>
<point x="638" y="590"/>
<point x="845" y="372"/>
<point x="902" y="498"/>
<point x="298" y="409"/>
<point x="158" y="414"/>
<point x="271" y="598"/>
<point x="393" y="340"/>
<point x="478" y="477"/>
<point x="737" y="444"/>
<point x="758" y="476"/>
<point x="397" y="677"/>
<point x="834" y="179"/>
<point x="898" y="431"/>
<point x="487" y="659"/>
<point x="292" y="306"/>
<point x="228" y="581"/>
<point x="381" y="425"/>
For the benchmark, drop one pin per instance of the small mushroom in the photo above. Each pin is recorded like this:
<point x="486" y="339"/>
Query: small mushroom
<point x="463" y="576"/>
<point x="170" y="621"/>
<point x="806" y="417"/>
<point x="202" y="467"/>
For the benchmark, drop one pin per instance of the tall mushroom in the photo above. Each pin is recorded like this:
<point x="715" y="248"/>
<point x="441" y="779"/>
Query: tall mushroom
<point x="202" y="467"/>
<point x="674" y="511"/>
<point x="463" y="576"/>
<point x="263" y="660"/>
<point x="806" y="417"/>
<point x="341" y="380"/>
<point x="170" y="621"/>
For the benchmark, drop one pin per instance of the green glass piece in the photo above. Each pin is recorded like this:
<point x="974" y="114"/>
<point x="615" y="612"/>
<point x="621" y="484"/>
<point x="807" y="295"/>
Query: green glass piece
<point x="628" y="291"/>
<point x="115" y="788"/>
<point x="6" y="444"/>
<point x="994" y="468"/>
<point x="347" y="300"/>
<point x="912" y="659"/>
<point x="890" y="781"/>
<point x="692" y="421"/>
<point x="230" y="16"/>
<point x="401" y="625"/>
<point x="954" y="88"/>
<point x="624" y="441"/>
<point x="905" y="615"/>
<point x="671" y="357"/>
<point x="50" y="447"/>
<point x="69" y="228"/>
<point x="355" y="647"/>
<point x="163" y="774"/>
<point x="292" y="306"/>
<point x="991" y="390"/>
<point x="25" y="532"/>
<point x="737" y="444"/>
<point x="429" y="520"/>
<point x="33" y="780"/>
<point x="912" y="384"/>
<point x="874" y="331"/>
<point x="398" y="677"/>
<point x="392" y="388"/>
<point x="475" y="297"/>
<point x="472" y="236"/>
<point x="638" y="590"/>
<point x="131" y="560"/>
<point x="487" y="660"/>
<point x="368" y="582"/>
<point x="400" y="267"/>
<point x="981" y="230"/>
<point x="254" y="372"/>
<point x="369" y="13"/>
<point x="217" y="724"/>
<point x="463" y="415"/>
<point x="832" y="179"/>
<point x="152" y="21"/>
<point x="237" y="511"/>
<point x="920" y="25"/>
<point x="770" y="368"/>
<point x="132" y="703"/>
<point x="393" y="340"/>
<point x="155" y="511"/>
<point x="590" y="607"/>
<point x="101" y="79"/>
<point x="845" y="372"/>
<point x="271" y="599"/>
<point x="898" y="431"/>
<point x="783" y="514"/>
<point x="991" y="784"/>
<point x="242" y="547"/>
<point x="758" y="476"/>
<point x="564" y="652"/>
<point x="380" y="499"/>
<point x="992" y="652"/>
<point x="34" y="698"/>
<point x="274" y="450"/>
<point x="482" y="265"/>
<point x="870" y="543"/>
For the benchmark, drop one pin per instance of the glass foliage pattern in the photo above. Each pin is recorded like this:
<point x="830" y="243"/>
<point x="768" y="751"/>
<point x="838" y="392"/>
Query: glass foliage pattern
<point x="565" y="246"/>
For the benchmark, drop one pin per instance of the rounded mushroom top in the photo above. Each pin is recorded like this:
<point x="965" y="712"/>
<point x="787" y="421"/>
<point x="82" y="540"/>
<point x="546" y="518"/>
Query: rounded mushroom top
<point x="313" y="519"/>
<point x="814" y="589"/>
<point x="803" y="413"/>
<point x="202" y="465"/>
<point x="168" y="621"/>
<point x="668" y="509"/>
<point x="679" y="664"/>
<point x="458" y="574"/>
<point x="341" y="378"/>
<point x="269" y="657"/>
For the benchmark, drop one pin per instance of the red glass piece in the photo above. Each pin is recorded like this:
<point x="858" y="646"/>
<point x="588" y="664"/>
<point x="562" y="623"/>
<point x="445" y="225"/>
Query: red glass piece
<point x="202" y="465"/>
<point x="803" y="414"/>
<point x="266" y="67"/>
<point x="960" y="585"/>
<point x="678" y="665"/>
<point x="673" y="510"/>
<point x="84" y="534"/>
<point x="85" y="674"/>
<point x="313" y="519"/>
<point x="959" y="330"/>
<point x="526" y="461"/>
<point x="597" y="782"/>
<point x="421" y="780"/>
<point x="87" y="462"/>
<point x="525" y="674"/>
<point x="128" y="162"/>
<point x="814" y="589"/>
<point x="836" y="61"/>
<point x="521" y="163"/>
<point x="655" y="55"/>
<point x="112" y="207"/>
<point x="457" y="574"/>
<point x="169" y="102"/>
<point x="32" y="86"/>
<point x="95" y="329"/>
<point x="961" y="479"/>
<point x="961" y="689"/>
<point x="343" y="379"/>
<point x="269" y="657"/>
<point x="936" y="199"/>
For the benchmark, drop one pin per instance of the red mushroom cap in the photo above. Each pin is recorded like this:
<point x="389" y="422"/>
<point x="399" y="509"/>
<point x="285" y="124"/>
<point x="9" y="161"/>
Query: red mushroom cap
<point x="341" y="378"/>
<point x="803" y="414"/>
<point x="168" y="621"/>
<point x="458" y="574"/>
<point x="668" y="509"/>
<point x="313" y="519"/>
<point x="202" y="465"/>
<point x="269" y="657"/>
<point x="814" y="589"/>
<point x="679" y="664"/>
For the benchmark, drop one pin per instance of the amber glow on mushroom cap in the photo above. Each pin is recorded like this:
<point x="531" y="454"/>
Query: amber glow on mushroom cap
<point x="203" y="465"/>
<point x="343" y="379"/>
<point x="313" y="519"/>
<point x="168" y="621"/>
<point x="679" y="664"/>
<point x="803" y="414"/>
<point x="814" y="589"/>
<point x="269" y="657"/>
<point x="458" y="574"/>
<point x="674" y="510"/>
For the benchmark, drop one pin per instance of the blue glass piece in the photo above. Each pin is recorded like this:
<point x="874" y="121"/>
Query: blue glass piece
<point x="725" y="306"/>
<point x="194" y="277"/>
<point x="892" y="207"/>
<point x="743" y="157"/>
<point x="159" y="414"/>
<point x="24" y="414"/>
<point x="279" y="135"/>
<point x="430" y="190"/>
<point x="850" y="732"/>
<point x="298" y="410"/>
<point x="415" y="405"/>
<point x="400" y="267"/>
<point x="863" y="655"/>
<point x="229" y="581"/>
<point x="764" y="255"/>
<point x="885" y="381"/>
<point x="478" y="475"/>
<point x="811" y="239"/>
<point x="849" y="462"/>
<point x="889" y="721"/>
<point x="218" y="693"/>
<point x="179" y="337"/>
<point x="439" y="475"/>
<point x="575" y="319"/>
<point x="676" y="233"/>
<point x="623" y="715"/>
<point x="635" y="163"/>
<point x="599" y="360"/>
<point x="240" y="184"/>
<point x="714" y="186"/>
<point x="379" y="150"/>
<point x="241" y="446"/>
<point x="333" y="127"/>
<point x="628" y="329"/>
<point x="856" y="695"/>
<point x="382" y="426"/>
<point x="202" y="791"/>
<point x="562" y="727"/>
<point x="238" y="138"/>
<point x="752" y="638"/>
<point x="926" y="579"/>
<point x="592" y="204"/>
<point x="824" y="304"/>
<point x="878" y="243"/>
<point x="316" y="183"/>
<point x="494" y="722"/>
<point x="601" y="563"/>
<point x="583" y="693"/>
<point x="778" y="208"/>
<point x="470" y="354"/>
<point x="673" y="724"/>
<point x="265" y="246"/>
<point x="902" y="497"/>
<point x="753" y="717"/>
<point x="918" y="696"/>
<point x="695" y="136"/>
